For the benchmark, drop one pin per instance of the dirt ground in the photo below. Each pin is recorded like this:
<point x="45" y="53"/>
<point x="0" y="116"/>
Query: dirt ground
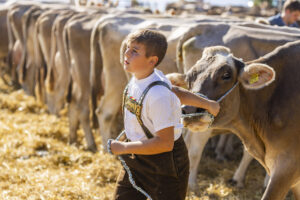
<point x="36" y="162"/>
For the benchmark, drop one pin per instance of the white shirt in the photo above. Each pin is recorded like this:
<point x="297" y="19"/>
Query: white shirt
<point x="161" y="108"/>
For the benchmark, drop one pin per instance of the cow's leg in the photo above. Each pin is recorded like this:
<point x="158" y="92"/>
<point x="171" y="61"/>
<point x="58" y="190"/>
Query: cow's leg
<point x="239" y="175"/>
<point x="266" y="180"/>
<point x="228" y="150"/>
<point x="197" y="142"/>
<point x="107" y="112"/>
<point x="220" y="147"/>
<point x="73" y="122"/>
<point x="16" y="57"/>
<point x="296" y="191"/>
<point x="84" y="114"/>
<point x="279" y="184"/>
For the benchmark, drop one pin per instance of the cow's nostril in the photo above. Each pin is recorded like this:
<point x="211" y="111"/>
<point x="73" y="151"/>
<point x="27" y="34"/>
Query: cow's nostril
<point x="188" y="109"/>
<point x="183" y="111"/>
<point x="200" y="110"/>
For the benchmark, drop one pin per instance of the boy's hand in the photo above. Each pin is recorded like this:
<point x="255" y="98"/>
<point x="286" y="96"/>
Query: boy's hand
<point x="117" y="147"/>
<point x="214" y="108"/>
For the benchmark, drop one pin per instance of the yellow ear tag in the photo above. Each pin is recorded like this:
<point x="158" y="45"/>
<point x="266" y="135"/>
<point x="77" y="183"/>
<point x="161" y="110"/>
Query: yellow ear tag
<point x="254" y="78"/>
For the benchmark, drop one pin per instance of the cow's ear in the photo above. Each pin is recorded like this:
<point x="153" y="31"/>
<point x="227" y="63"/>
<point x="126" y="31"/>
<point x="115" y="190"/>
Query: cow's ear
<point x="256" y="76"/>
<point x="177" y="79"/>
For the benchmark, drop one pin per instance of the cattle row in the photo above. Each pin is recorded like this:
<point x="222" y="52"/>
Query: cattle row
<point x="61" y="54"/>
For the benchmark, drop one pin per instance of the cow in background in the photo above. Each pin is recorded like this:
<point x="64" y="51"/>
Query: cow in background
<point x="78" y="33"/>
<point x="15" y="37"/>
<point x="3" y="41"/>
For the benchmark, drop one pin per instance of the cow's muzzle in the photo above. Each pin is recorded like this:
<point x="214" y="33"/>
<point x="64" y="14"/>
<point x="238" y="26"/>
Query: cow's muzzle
<point x="196" y="119"/>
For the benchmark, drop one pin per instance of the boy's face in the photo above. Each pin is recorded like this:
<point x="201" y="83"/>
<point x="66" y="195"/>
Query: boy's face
<point x="135" y="60"/>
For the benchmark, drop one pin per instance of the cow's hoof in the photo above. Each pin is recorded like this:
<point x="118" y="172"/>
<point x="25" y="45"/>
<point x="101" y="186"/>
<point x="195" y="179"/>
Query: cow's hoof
<point x="232" y="182"/>
<point x="193" y="187"/>
<point x="235" y="183"/>
<point x="92" y="149"/>
<point x="221" y="158"/>
<point x="73" y="141"/>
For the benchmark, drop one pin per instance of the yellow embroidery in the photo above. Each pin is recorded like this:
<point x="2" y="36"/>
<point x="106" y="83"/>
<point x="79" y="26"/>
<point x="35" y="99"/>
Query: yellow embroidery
<point x="132" y="106"/>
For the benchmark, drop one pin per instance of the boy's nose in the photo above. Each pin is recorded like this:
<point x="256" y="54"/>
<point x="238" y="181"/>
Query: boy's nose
<point x="127" y="53"/>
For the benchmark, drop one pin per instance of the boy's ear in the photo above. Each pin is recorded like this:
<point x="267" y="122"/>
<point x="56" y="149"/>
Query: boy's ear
<point x="153" y="60"/>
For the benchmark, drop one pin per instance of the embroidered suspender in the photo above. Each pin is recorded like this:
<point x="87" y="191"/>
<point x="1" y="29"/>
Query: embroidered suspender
<point x="135" y="107"/>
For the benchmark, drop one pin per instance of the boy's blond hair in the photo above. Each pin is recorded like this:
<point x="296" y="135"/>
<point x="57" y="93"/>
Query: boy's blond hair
<point x="155" y="43"/>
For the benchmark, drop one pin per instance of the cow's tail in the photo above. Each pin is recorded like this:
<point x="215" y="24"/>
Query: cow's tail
<point x="68" y="61"/>
<point x="50" y="79"/>
<point x="40" y="64"/>
<point x="25" y="24"/>
<point x="69" y="94"/>
<point x="179" y="49"/>
<point x="11" y="42"/>
<point x="96" y="70"/>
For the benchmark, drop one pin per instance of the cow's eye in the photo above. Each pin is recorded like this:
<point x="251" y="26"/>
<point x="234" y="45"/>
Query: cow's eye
<point x="226" y="76"/>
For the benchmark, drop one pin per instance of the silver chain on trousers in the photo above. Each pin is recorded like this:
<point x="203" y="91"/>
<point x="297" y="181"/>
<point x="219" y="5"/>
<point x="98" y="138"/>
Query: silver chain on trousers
<point x="131" y="180"/>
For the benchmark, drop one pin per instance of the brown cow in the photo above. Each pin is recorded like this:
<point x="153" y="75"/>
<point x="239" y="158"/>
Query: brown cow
<point x="27" y="68"/>
<point x="58" y="75"/>
<point x="78" y="46"/>
<point x="260" y="109"/>
<point x="246" y="40"/>
<point x="43" y="47"/>
<point x="15" y="36"/>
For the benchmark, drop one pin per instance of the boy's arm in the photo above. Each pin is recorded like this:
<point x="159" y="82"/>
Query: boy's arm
<point x="188" y="98"/>
<point x="163" y="141"/>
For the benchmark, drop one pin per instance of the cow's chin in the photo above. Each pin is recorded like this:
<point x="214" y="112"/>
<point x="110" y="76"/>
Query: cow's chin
<point x="197" y="123"/>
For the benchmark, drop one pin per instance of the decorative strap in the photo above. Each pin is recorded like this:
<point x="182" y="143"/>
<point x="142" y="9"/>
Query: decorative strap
<point x="135" y="107"/>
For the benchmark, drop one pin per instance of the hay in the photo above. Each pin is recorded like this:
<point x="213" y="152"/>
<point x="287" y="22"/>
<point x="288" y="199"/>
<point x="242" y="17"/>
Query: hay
<point x="36" y="162"/>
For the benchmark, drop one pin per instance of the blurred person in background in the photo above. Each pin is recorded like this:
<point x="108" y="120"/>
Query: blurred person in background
<point x="289" y="15"/>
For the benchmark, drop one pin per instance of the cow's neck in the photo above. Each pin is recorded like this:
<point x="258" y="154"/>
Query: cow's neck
<point x="251" y="140"/>
<point x="249" y="126"/>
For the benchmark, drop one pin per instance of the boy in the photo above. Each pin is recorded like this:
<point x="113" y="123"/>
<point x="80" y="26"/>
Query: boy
<point x="289" y="16"/>
<point x="156" y="154"/>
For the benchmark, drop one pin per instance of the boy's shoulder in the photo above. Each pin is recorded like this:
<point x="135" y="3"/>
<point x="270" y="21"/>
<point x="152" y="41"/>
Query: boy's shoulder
<point x="160" y="92"/>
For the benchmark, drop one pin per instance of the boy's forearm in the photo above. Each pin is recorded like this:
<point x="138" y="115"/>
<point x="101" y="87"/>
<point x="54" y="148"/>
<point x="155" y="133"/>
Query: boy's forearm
<point x="163" y="141"/>
<point x="146" y="147"/>
<point x="188" y="98"/>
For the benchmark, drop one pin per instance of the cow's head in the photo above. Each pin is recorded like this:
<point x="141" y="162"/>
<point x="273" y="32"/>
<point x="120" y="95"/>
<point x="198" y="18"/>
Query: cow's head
<point x="217" y="73"/>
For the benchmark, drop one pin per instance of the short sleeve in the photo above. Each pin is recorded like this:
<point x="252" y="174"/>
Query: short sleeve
<point x="164" y="112"/>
